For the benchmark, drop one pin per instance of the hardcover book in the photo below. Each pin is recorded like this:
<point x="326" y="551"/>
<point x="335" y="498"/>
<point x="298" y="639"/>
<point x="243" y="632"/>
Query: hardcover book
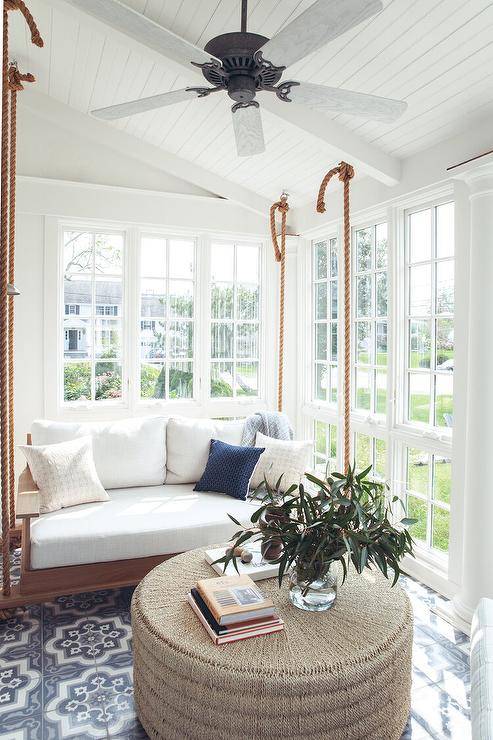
<point x="236" y="634"/>
<point x="234" y="599"/>
<point x="257" y="569"/>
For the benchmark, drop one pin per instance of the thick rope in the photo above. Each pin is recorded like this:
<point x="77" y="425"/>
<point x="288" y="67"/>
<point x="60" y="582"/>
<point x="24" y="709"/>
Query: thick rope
<point x="4" y="430"/>
<point x="280" y="256"/>
<point x="346" y="173"/>
<point x="20" y="5"/>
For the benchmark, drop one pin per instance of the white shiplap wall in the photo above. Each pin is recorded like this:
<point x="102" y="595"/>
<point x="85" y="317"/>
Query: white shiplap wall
<point x="435" y="54"/>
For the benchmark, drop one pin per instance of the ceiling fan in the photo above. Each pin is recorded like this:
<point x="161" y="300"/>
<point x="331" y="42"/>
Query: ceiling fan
<point x="242" y="64"/>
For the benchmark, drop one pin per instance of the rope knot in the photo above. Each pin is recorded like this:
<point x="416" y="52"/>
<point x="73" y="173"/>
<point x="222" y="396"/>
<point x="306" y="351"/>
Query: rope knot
<point x="16" y="78"/>
<point x="345" y="172"/>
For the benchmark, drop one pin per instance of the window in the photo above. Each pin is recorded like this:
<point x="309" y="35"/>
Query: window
<point x="92" y="346"/>
<point x="370" y="319"/>
<point x="167" y="310"/>
<point x="372" y="451"/>
<point x="325" y="436"/>
<point x="235" y="320"/>
<point x="325" y="313"/>
<point x="430" y="315"/>
<point x="428" y="483"/>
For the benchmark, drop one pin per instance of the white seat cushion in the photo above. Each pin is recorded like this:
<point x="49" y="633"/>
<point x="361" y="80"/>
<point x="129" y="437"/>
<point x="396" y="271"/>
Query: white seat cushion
<point x="127" y="452"/>
<point x="188" y="442"/>
<point x="135" y="523"/>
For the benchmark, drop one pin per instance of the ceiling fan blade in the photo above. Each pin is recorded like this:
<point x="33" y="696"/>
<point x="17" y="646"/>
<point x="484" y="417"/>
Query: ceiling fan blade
<point x="322" y="22"/>
<point x="324" y="98"/>
<point x="249" y="134"/>
<point x="142" y="29"/>
<point x="122" y="110"/>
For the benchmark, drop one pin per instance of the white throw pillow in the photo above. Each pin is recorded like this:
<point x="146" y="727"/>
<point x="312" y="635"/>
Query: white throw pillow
<point x="281" y="457"/>
<point x="188" y="442"/>
<point x="65" y="474"/>
<point x="127" y="452"/>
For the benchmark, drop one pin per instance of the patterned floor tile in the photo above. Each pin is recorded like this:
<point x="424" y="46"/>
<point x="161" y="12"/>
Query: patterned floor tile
<point x="440" y="714"/>
<point x="27" y="728"/>
<point x="77" y="708"/>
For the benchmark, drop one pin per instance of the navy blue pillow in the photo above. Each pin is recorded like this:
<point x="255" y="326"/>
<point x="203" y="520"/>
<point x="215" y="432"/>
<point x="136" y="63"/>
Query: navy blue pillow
<point x="229" y="469"/>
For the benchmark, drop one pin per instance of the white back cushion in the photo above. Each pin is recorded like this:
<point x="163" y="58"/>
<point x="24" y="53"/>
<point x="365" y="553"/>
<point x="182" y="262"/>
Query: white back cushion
<point x="281" y="457"/>
<point x="127" y="452"/>
<point x="65" y="474"/>
<point x="188" y="442"/>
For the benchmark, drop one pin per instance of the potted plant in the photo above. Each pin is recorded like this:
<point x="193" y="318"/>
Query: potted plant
<point x="345" y="519"/>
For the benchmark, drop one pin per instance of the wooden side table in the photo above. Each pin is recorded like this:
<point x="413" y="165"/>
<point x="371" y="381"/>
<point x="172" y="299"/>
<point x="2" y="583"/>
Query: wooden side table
<point x="344" y="674"/>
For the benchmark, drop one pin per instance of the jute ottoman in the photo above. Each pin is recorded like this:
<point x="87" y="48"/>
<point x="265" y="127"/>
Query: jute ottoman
<point x="340" y="675"/>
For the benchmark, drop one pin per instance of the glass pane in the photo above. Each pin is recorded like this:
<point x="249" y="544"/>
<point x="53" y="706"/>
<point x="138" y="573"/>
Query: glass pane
<point x="180" y="335"/>
<point x="108" y="338"/>
<point x="445" y="344"/>
<point x="363" y="343"/>
<point x="380" y="458"/>
<point x="320" y="465"/>
<point x="333" y="442"/>
<point x="333" y="258"/>
<point x="419" y="397"/>
<point x="363" y="298"/>
<point x="108" y="296"/>
<point x="321" y="301"/>
<point x="77" y="252"/>
<point x="381" y="247"/>
<point x="445" y="286"/>
<point x="181" y="298"/>
<point x="418" y="465"/>
<point x="362" y="452"/>
<point x="247" y="259"/>
<point x="108" y="380"/>
<point x="152" y="339"/>
<point x="77" y="338"/>
<point x="333" y="384"/>
<point x="381" y="392"/>
<point x="320" y="341"/>
<point x="153" y="298"/>
<point x="364" y="244"/>
<point x="320" y="438"/>
<point x="77" y="381"/>
<point x="153" y="380"/>
<point x="321" y="381"/>
<point x="222" y="263"/>
<point x="333" y="299"/>
<point x="153" y="257"/>
<point x="381" y="294"/>
<point x="180" y="380"/>
<point x="444" y="396"/>
<point x="222" y="379"/>
<point x="222" y="301"/>
<point x="248" y="300"/>
<point x="108" y="256"/>
<point x="247" y="378"/>
<point x="442" y="478"/>
<point x="381" y="331"/>
<point x="445" y="230"/>
<point x="441" y="527"/>
<point x="222" y="340"/>
<point x="420" y="236"/>
<point x="333" y="342"/>
<point x="77" y="295"/>
<point x="320" y="261"/>
<point x="181" y="254"/>
<point x="419" y="344"/>
<point x="420" y="290"/>
<point x="247" y="340"/>
<point x="417" y="509"/>
<point x="363" y="395"/>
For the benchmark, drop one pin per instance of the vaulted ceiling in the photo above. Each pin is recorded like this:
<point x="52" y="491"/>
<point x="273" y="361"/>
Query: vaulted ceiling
<point x="437" y="55"/>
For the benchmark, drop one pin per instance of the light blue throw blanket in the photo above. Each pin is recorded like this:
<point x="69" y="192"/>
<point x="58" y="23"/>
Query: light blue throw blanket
<point x="271" y="424"/>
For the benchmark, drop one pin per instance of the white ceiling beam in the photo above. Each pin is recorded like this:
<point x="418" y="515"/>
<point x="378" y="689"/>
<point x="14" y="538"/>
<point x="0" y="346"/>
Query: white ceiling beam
<point x="367" y="159"/>
<point x="98" y="131"/>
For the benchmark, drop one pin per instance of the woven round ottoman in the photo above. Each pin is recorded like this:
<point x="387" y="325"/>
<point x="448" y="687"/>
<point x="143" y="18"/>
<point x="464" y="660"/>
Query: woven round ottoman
<point x="344" y="674"/>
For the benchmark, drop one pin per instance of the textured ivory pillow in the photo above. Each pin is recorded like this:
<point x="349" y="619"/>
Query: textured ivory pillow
<point x="65" y="474"/>
<point x="281" y="457"/>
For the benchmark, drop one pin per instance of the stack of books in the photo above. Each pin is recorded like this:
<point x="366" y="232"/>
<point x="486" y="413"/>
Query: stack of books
<point x="233" y="608"/>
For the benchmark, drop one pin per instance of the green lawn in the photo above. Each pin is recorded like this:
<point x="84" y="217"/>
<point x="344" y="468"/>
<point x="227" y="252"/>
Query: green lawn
<point x="417" y="508"/>
<point x="420" y="408"/>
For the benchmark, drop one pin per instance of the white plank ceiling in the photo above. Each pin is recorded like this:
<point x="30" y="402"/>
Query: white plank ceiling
<point x="435" y="54"/>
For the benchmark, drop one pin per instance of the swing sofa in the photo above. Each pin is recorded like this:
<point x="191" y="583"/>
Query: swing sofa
<point x="149" y="467"/>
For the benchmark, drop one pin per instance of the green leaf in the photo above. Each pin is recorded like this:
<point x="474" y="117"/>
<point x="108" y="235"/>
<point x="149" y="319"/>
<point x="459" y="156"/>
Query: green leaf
<point x="408" y="522"/>
<point x="235" y="521"/>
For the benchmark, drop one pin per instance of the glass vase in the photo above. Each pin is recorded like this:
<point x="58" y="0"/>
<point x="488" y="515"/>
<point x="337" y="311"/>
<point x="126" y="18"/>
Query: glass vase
<point x="315" y="595"/>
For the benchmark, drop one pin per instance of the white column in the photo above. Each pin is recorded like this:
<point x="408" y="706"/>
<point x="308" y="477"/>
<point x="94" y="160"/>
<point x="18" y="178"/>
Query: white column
<point x="291" y="346"/>
<point x="477" y="570"/>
